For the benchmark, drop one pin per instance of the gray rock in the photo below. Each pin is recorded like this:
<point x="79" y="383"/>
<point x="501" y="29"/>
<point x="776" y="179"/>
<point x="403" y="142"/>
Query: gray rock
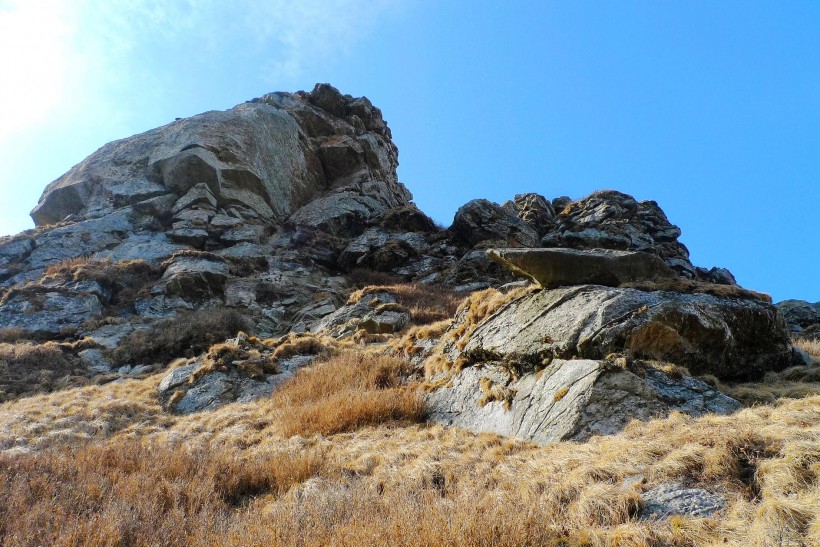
<point x="482" y="220"/>
<point x="139" y="370"/>
<point x="160" y="306"/>
<point x="95" y="360"/>
<point x="200" y="195"/>
<point x="553" y="268"/>
<point x="109" y="336"/>
<point x="727" y="337"/>
<point x="254" y="159"/>
<point x="569" y="400"/>
<point x="382" y="251"/>
<point x="675" y="499"/>
<point x="49" y="313"/>
<point x="210" y="392"/>
<point x="176" y="378"/>
<point x="195" y="237"/>
<point x="344" y="320"/>
<point x="195" y="277"/>
<point x="151" y="246"/>
<point x="533" y="209"/>
<point x="79" y="239"/>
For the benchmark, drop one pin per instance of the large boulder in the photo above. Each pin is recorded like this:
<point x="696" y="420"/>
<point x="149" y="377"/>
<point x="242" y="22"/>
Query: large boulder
<point x="552" y="268"/>
<point x="569" y="400"/>
<point x="260" y="160"/>
<point x="731" y="338"/>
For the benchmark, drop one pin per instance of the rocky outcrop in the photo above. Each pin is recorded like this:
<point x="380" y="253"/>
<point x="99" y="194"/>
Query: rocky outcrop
<point x="613" y="220"/>
<point x="569" y="400"/>
<point x="260" y="161"/>
<point x="482" y="220"/>
<point x="728" y="337"/>
<point x="553" y="268"/>
<point x="802" y="318"/>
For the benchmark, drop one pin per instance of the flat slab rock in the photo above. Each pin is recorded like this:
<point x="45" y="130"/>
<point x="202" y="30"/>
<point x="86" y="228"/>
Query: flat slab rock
<point x="671" y="499"/>
<point x="553" y="268"/>
<point x="569" y="400"/>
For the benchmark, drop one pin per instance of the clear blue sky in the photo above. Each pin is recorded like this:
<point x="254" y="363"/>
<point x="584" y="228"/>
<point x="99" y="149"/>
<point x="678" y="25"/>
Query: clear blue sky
<point x="710" y="108"/>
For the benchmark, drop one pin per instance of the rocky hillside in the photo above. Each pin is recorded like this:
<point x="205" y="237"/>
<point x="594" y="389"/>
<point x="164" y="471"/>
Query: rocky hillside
<point x="222" y="259"/>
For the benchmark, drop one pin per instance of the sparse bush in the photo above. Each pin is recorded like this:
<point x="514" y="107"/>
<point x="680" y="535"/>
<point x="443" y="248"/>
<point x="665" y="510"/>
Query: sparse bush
<point x="185" y="335"/>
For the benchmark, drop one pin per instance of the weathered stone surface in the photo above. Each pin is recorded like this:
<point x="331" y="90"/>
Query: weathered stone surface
<point x="476" y="269"/>
<point x="553" y="268"/>
<point x="727" y="337"/>
<point x="176" y="378"/>
<point x="482" y="220"/>
<point x="405" y="219"/>
<point x="573" y="399"/>
<point x="376" y="313"/>
<point x="49" y="313"/>
<point x="671" y="499"/>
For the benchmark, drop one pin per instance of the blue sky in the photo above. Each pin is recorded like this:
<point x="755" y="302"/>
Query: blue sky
<point x="712" y="109"/>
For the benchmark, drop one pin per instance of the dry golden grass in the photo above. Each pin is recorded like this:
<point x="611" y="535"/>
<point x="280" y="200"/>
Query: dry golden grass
<point x="335" y="457"/>
<point x="346" y="392"/>
<point x="809" y="345"/>
<point x="792" y="383"/>
<point x="426" y="303"/>
<point x="427" y="485"/>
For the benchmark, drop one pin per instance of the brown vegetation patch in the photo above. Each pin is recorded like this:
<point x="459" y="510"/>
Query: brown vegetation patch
<point x="809" y="345"/>
<point x="186" y="335"/>
<point x="132" y="493"/>
<point x="426" y="303"/>
<point x="682" y="285"/>
<point x="792" y="383"/>
<point x="27" y="368"/>
<point x="346" y="392"/>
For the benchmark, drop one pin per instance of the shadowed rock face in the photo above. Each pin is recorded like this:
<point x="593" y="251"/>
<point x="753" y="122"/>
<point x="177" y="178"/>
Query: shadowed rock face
<point x="553" y="268"/>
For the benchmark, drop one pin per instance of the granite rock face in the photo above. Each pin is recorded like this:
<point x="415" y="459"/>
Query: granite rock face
<point x="569" y="400"/>
<point x="261" y="160"/>
<point x="279" y="206"/>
